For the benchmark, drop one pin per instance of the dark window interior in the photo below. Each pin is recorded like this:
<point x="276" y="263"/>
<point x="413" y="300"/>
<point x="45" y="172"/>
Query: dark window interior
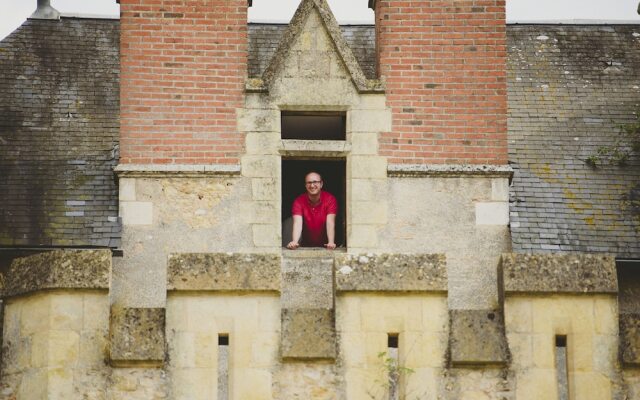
<point x="628" y="286"/>
<point x="313" y="125"/>
<point x="333" y="175"/>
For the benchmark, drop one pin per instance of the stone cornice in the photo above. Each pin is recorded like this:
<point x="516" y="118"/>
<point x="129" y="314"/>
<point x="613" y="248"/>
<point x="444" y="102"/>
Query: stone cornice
<point x="236" y="272"/>
<point x="559" y="273"/>
<point x="175" y="170"/>
<point x="391" y="273"/>
<point x="449" y="170"/>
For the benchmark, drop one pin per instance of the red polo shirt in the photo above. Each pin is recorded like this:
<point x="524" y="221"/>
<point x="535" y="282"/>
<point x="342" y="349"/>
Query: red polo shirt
<point x="314" y="217"/>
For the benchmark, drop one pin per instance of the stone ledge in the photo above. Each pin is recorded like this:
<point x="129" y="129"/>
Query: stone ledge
<point x="559" y="273"/>
<point x="391" y="272"/>
<point x="317" y="148"/>
<point x="175" y="170"/>
<point x="137" y="336"/>
<point x="223" y="271"/>
<point x="449" y="170"/>
<point x="477" y="337"/>
<point x="630" y="339"/>
<point x="308" y="334"/>
<point x="58" y="269"/>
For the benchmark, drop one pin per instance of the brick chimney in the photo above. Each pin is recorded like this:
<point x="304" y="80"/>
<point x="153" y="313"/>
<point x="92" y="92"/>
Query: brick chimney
<point x="183" y="70"/>
<point x="445" y="69"/>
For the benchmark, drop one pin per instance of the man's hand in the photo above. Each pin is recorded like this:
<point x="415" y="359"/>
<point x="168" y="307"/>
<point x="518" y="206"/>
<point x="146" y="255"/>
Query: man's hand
<point x="295" y="245"/>
<point x="330" y="246"/>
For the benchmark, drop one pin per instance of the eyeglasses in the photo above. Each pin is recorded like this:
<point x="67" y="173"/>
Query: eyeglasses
<point x="310" y="183"/>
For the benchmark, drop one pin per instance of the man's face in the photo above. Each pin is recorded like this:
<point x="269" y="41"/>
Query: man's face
<point x="313" y="183"/>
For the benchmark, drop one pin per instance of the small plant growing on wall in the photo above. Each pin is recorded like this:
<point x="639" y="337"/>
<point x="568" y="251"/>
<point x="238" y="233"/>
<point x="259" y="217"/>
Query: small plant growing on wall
<point x="388" y="388"/>
<point x="626" y="144"/>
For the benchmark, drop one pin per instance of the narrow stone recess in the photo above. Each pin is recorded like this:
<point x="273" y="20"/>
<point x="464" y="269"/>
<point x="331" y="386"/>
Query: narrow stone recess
<point x="393" y="366"/>
<point x="223" y="366"/>
<point x="562" y="372"/>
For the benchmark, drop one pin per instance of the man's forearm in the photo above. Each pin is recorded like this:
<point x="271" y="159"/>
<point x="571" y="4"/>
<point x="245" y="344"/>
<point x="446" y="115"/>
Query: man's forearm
<point x="331" y="230"/>
<point x="296" y="232"/>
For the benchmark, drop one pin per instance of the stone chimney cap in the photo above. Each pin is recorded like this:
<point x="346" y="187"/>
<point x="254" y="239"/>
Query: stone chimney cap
<point x="45" y="11"/>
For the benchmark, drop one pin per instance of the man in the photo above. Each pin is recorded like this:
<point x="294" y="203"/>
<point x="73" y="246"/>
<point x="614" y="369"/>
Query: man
<point x="314" y="216"/>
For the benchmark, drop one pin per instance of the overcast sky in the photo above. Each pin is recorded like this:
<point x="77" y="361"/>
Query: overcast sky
<point x="16" y="11"/>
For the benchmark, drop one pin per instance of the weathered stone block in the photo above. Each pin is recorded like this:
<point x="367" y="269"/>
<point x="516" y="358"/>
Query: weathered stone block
<point x="630" y="339"/>
<point x="368" y="212"/>
<point x="136" y="212"/>
<point x="59" y="269"/>
<point x="127" y="189"/>
<point x="262" y="142"/>
<point x="266" y="235"/>
<point x="559" y="273"/>
<point x="257" y="120"/>
<point x="259" y="212"/>
<point x="307" y="317"/>
<point x="368" y="167"/>
<point x="265" y="166"/>
<point x="500" y="189"/>
<point x="362" y="236"/>
<point x="477" y="337"/>
<point x="223" y="271"/>
<point x="372" y="101"/>
<point x="370" y="120"/>
<point x="137" y="336"/>
<point x="365" y="143"/>
<point x="391" y="272"/>
<point x="264" y="189"/>
<point x="308" y="334"/>
<point x="307" y="282"/>
<point x="492" y="213"/>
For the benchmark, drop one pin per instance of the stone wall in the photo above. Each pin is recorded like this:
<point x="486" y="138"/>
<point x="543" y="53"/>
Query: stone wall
<point x="364" y="322"/>
<point x="590" y="326"/>
<point x="55" y="346"/>
<point x="166" y="212"/>
<point x="462" y="216"/>
<point x="62" y="339"/>
<point x="194" y="322"/>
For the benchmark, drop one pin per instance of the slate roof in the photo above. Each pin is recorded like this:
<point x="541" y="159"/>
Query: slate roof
<point x="59" y="123"/>
<point x="570" y="87"/>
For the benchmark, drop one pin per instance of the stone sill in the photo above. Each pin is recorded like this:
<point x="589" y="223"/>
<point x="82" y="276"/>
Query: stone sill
<point x="175" y="170"/>
<point x="449" y="170"/>
<point x="315" y="148"/>
<point x="312" y="252"/>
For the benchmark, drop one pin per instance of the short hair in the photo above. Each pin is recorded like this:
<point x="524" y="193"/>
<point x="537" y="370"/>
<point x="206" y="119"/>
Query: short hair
<point x="312" y="172"/>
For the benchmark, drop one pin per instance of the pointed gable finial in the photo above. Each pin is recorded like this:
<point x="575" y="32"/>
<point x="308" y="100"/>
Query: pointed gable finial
<point x="340" y="44"/>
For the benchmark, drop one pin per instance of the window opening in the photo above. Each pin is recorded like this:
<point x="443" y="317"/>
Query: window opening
<point x="293" y="185"/>
<point x="313" y="125"/>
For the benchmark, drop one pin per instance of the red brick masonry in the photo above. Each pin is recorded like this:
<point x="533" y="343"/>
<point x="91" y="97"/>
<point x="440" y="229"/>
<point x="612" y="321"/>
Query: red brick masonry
<point x="445" y="68"/>
<point x="183" y="69"/>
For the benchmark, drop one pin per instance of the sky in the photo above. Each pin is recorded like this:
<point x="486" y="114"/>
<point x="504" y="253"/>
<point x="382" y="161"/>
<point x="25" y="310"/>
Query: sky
<point x="14" y="12"/>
